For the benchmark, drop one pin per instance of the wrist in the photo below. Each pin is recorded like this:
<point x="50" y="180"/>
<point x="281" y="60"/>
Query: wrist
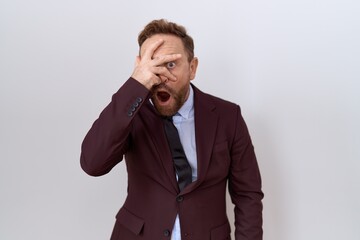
<point x="146" y="84"/>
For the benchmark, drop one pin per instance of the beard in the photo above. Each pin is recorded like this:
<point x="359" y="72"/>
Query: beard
<point x="175" y="99"/>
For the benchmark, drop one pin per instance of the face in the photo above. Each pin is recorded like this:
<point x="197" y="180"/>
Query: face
<point x="169" y="96"/>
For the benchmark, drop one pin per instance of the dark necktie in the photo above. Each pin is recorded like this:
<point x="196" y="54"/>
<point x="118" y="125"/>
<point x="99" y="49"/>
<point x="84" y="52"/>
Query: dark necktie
<point x="182" y="166"/>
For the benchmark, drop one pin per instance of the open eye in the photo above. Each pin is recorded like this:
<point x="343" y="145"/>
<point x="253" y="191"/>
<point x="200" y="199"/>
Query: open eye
<point x="170" y="65"/>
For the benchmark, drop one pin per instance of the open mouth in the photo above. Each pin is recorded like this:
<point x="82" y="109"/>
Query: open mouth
<point x="163" y="96"/>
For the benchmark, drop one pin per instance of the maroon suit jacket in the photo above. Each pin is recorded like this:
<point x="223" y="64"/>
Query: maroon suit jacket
<point x="129" y="126"/>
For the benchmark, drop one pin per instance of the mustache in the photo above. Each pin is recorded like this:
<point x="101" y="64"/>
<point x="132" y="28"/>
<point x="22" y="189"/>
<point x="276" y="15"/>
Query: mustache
<point x="162" y="86"/>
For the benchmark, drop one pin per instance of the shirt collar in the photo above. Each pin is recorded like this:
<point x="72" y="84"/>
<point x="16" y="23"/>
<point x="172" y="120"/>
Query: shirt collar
<point x="186" y="111"/>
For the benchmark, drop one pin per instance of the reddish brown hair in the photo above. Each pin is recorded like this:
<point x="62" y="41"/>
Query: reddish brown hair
<point x="162" y="26"/>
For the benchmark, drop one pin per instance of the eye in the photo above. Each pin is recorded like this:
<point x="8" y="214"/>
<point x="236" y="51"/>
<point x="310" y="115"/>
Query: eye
<point x="170" y="65"/>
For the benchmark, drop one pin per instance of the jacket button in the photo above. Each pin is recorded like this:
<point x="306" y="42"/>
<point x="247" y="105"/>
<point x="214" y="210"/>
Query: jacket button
<point x="180" y="199"/>
<point x="136" y="104"/>
<point x="139" y="99"/>
<point x="166" y="233"/>
<point x="130" y="113"/>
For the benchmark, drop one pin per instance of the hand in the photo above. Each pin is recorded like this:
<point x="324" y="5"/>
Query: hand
<point x="151" y="71"/>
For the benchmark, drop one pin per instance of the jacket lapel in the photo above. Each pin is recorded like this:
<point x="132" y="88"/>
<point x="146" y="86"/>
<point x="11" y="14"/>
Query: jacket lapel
<point x="206" y="121"/>
<point x="157" y="133"/>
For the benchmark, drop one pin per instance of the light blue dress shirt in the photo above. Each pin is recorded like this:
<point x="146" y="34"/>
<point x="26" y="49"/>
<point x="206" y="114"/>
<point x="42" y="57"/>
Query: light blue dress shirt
<point x="184" y="122"/>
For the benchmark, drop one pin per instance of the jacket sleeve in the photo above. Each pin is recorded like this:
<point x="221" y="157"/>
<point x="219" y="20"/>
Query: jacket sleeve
<point x="108" y="139"/>
<point x="245" y="185"/>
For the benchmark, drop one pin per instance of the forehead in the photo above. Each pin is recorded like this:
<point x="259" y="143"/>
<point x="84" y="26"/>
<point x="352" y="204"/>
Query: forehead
<point x="172" y="44"/>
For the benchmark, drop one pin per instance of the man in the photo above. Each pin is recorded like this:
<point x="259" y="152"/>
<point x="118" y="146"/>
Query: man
<point x="175" y="190"/>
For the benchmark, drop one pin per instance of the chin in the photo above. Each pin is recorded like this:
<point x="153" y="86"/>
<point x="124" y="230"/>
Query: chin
<point x="165" y="110"/>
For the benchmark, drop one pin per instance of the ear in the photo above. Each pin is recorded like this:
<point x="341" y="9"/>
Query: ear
<point x="193" y="66"/>
<point x="137" y="61"/>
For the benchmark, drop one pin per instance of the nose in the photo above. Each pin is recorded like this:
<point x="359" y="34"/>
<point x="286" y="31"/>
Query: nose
<point x="163" y="78"/>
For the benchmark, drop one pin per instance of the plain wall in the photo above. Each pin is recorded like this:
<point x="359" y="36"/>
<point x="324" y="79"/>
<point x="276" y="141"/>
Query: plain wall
<point x="292" y="65"/>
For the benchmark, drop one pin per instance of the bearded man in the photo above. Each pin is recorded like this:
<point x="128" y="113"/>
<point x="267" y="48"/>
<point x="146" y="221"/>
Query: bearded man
<point x="181" y="147"/>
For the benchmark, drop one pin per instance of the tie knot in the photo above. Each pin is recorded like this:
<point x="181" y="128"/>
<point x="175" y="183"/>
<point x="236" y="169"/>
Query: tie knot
<point x="169" y="118"/>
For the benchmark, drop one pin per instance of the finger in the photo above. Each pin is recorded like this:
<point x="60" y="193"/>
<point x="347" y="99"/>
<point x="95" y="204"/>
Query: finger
<point x="164" y="72"/>
<point x="150" y="50"/>
<point x="166" y="58"/>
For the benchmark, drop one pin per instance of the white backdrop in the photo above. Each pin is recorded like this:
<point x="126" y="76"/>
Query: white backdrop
<point x="292" y="65"/>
